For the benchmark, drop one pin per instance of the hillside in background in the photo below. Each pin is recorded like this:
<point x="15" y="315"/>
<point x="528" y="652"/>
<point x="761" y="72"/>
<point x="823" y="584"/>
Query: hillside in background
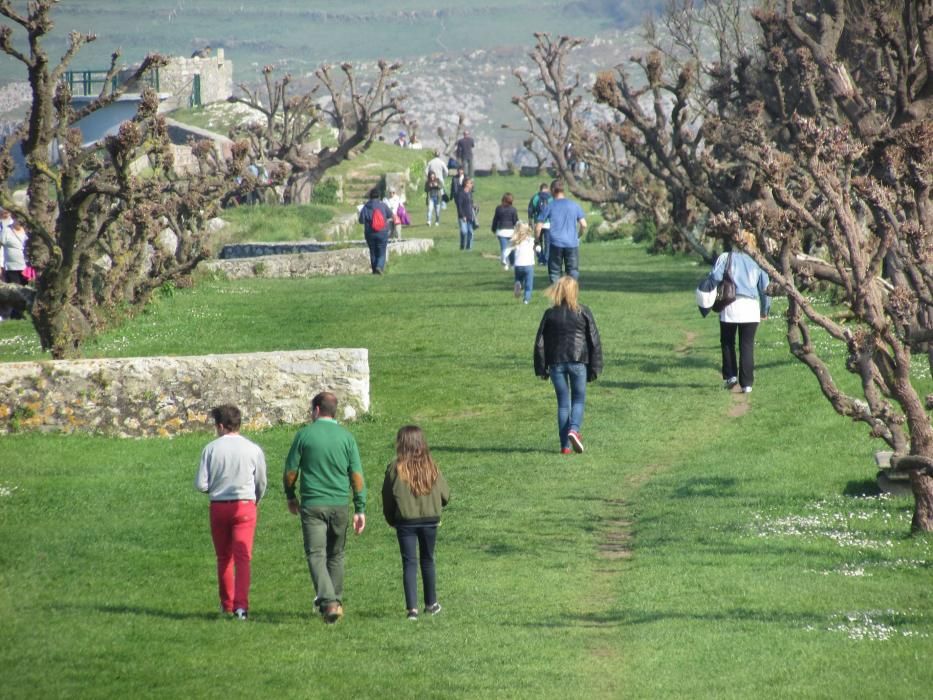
<point x="458" y="57"/>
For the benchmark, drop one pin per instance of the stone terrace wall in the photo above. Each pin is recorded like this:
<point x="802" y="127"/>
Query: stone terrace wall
<point x="163" y="396"/>
<point x="269" y="263"/>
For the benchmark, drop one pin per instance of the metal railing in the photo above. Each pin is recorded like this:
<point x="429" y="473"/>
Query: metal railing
<point x="89" y="83"/>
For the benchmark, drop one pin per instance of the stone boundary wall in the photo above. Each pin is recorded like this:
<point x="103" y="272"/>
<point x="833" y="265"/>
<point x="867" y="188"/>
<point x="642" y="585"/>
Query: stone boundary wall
<point x="164" y="396"/>
<point x="346" y="261"/>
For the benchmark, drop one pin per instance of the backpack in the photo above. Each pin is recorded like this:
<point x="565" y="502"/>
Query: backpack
<point x="543" y="200"/>
<point x="378" y="222"/>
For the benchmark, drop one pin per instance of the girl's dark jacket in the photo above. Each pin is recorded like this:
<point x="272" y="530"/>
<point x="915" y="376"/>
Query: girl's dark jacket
<point x="401" y="507"/>
<point x="568" y="336"/>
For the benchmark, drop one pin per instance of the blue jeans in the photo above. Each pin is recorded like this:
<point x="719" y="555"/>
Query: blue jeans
<point x="525" y="275"/>
<point x="566" y="258"/>
<point x="419" y="537"/>
<point x="545" y="246"/>
<point x="466" y="234"/>
<point x="378" y="246"/>
<point x="503" y="244"/>
<point x="434" y="206"/>
<point x="569" y="379"/>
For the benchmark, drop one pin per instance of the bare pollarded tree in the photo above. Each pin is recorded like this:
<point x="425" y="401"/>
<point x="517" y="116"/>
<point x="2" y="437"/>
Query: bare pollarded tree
<point x="817" y="139"/>
<point x="837" y="136"/>
<point x="358" y="109"/>
<point x="108" y="222"/>
<point x="450" y="138"/>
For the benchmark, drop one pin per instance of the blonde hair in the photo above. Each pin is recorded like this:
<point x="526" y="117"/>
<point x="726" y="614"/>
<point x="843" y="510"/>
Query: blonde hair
<point x="522" y="231"/>
<point x="564" y="292"/>
<point x="413" y="460"/>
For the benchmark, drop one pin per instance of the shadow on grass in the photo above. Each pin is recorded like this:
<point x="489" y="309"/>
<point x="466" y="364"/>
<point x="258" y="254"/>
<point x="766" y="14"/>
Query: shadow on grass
<point x="265" y="616"/>
<point x="457" y="449"/>
<point x="864" y="487"/>
<point x="707" y="486"/>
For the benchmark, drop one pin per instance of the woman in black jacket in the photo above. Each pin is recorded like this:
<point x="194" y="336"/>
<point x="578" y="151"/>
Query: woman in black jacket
<point x="568" y="351"/>
<point x="503" y="225"/>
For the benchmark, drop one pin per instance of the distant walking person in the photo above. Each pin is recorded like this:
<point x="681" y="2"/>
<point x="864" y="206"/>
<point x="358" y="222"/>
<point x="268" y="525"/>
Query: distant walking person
<point x="233" y="474"/>
<point x="567" y="224"/>
<point x="321" y="470"/>
<point x="414" y="493"/>
<point x="376" y="218"/>
<point x="466" y="214"/>
<point x="464" y="153"/>
<point x="536" y="206"/>
<point x="503" y="225"/>
<point x="521" y="245"/>
<point x="568" y="350"/>
<point x="742" y="316"/>
<point x="456" y="182"/>
<point x="434" y="174"/>
<point x="433" y="193"/>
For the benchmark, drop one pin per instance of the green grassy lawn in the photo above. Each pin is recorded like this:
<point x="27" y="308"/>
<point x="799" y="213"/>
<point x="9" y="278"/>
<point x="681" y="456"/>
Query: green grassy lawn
<point x="707" y="544"/>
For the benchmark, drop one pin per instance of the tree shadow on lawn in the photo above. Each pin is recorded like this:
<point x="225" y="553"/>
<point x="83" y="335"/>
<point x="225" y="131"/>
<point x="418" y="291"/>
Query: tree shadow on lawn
<point x="457" y="449"/>
<point x="628" y="617"/>
<point x="637" y="282"/>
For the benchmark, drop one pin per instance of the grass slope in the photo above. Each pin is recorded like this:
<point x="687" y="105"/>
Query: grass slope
<point x="707" y="544"/>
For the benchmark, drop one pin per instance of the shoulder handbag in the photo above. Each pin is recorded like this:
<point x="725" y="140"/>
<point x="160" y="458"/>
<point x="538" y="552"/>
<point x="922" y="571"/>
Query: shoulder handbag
<point x="725" y="290"/>
<point x="706" y="294"/>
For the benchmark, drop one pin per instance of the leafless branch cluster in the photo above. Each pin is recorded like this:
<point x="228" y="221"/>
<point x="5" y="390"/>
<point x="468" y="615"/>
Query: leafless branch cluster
<point x="108" y="222"/>
<point x="817" y="139"/>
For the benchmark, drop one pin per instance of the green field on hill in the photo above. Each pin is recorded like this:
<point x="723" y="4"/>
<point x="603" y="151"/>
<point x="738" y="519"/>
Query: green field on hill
<point x="707" y="544"/>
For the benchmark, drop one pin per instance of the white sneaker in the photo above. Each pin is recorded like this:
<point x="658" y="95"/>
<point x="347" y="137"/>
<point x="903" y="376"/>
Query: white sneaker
<point x="746" y="390"/>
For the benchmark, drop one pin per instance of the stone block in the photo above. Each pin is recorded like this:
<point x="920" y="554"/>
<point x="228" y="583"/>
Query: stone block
<point x="164" y="396"/>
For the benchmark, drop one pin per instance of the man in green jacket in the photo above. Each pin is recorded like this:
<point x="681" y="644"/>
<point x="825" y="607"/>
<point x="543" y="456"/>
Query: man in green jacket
<point x="324" y="464"/>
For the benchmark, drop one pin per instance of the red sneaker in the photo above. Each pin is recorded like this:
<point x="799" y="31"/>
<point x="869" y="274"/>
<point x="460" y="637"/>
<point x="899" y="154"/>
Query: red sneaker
<point x="575" y="441"/>
<point x="566" y="451"/>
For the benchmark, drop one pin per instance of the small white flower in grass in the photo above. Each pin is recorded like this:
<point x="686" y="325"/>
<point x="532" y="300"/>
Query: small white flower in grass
<point x="7" y="490"/>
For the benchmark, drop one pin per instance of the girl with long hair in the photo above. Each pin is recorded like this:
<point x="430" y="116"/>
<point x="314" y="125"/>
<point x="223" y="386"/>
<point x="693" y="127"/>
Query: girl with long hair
<point x="414" y="493"/>
<point x="522" y="244"/>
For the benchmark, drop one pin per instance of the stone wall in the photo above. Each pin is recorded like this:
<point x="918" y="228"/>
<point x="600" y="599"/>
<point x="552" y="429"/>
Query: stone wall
<point x="162" y="396"/>
<point x="346" y="261"/>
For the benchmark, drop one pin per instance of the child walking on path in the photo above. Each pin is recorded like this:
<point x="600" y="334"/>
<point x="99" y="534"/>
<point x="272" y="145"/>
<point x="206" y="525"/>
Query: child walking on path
<point x="414" y="494"/>
<point x="522" y="244"/>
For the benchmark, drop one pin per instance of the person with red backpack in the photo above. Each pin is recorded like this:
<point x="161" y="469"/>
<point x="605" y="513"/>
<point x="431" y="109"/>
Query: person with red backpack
<point x="375" y="217"/>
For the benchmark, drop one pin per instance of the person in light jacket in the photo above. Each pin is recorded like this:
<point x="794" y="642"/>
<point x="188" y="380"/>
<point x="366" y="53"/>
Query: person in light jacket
<point x="569" y="351"/>
<point x="742" y="316"/>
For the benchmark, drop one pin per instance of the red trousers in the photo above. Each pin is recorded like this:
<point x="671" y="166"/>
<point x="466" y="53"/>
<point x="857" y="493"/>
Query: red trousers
<point x="233" y="524"/>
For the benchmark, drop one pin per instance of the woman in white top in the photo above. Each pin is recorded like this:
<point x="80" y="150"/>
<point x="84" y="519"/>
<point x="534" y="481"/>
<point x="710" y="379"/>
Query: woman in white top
<point x="392" y="200"/>
<point x="13" y="239"/>
<point x="742" y="316"/>
<point x="522" y="244"/>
